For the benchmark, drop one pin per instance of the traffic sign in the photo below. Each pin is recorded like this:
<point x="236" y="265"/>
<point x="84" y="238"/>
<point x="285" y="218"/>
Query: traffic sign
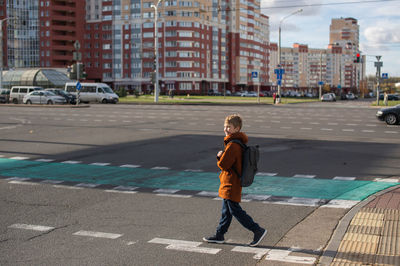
<point x="320" y="83"/>
<point x="254" y="74"/>
<point x="385" y="75"/>
<point x="78" y="86"/>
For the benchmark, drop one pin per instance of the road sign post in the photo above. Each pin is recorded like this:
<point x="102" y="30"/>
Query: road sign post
<point x="78" y="88"/>
<point x="255" y="78"/>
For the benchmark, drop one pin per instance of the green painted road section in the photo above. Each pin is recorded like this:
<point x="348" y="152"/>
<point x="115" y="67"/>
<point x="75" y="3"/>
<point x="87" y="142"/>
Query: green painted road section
<point x="186" y="180"/>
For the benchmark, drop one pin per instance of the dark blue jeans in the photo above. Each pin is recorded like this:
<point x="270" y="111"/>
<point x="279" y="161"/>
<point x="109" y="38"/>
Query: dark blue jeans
<point x="231" y="208"/>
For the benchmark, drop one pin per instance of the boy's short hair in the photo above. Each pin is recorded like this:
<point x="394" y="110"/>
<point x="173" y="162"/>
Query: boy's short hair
<point x="235" y="120"/>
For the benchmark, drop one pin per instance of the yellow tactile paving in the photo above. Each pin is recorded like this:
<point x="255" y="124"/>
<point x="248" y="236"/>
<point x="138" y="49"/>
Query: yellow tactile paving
<point x="370" y="230"/>
<point x="372" y="238"/>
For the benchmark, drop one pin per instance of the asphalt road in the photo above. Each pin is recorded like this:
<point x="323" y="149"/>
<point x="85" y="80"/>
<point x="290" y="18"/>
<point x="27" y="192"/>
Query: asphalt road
<point x="307" y="142"/>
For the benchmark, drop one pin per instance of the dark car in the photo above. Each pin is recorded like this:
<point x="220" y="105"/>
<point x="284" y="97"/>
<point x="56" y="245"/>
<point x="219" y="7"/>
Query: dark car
<point x="391" y="97"/>
<point x="70" y="98"/>
<point x="4" y="95"/>
<point x="390" y="115"/>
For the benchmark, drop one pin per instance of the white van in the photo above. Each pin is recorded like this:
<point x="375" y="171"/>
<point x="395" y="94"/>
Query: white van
<point x="17" y="93"/>
<point x="93" y="92"/>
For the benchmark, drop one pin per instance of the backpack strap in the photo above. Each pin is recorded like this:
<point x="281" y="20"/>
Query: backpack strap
<point x="243" y="146"/>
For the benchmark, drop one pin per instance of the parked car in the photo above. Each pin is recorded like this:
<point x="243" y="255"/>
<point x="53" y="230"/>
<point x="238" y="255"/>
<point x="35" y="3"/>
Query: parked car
<point x="237" y="93"/>
<point x="43" y="97"/>
<point x="350" y="96"/>
<point x="18" y="92"/>
<point x="251" y="94"/>
<point x="4" y="95"/>
<point x="244" y="93"/>
<point x="69" y="97"/>
<point x="328" y="97"/>
<point x="390" y="115"/>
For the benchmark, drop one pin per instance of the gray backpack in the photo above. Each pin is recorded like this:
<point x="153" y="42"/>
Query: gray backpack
<point x="250" y="157"/>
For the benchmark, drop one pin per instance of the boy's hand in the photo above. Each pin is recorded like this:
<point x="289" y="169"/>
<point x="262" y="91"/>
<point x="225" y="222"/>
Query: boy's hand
<point x="219" y="154"/>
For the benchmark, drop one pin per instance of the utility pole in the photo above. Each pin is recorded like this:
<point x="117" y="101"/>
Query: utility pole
<point x="156" y="90"/>
<point x="320" y="76"/>
<point x="378" y="66"/>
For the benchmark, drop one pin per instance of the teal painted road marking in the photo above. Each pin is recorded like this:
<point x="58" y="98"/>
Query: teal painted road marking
<point x="183" y="180"/>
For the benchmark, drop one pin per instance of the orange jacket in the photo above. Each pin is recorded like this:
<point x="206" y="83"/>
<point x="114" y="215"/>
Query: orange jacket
<point x="230" y="187"/>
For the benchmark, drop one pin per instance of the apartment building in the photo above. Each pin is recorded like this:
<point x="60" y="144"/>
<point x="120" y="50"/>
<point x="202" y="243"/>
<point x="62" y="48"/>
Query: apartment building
<point x="248" y="46"/>
<point x="41" y="33"/>
<point x="305" y="67"/>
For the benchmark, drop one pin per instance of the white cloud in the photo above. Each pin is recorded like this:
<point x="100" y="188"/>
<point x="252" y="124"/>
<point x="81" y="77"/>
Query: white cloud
<point x="382" y="35"/>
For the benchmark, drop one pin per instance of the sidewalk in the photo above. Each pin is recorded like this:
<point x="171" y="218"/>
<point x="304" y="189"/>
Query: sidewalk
<point x="369" y="234"/>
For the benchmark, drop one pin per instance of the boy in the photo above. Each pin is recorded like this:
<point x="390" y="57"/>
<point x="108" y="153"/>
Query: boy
<point x="230" y="189"/>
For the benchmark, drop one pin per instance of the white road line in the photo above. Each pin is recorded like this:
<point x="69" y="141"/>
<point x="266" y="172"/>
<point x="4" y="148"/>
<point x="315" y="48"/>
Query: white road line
<point x="295" y="201"/>
<point x="391" y="132"/>
<point x="326" y="129"/>
<point x="208" y="194"/>
<point x="367" y="131"/>
<point x="97" y="234"/>
<point x="174" y="195"/>
<point x="388" y="180"/>
<point x="67" y="187"/>
<point x="126" y="188"/>
<point x="351" y="124"/>
<point x="346" y="178"/>
<point x="160" y="168"/>
<point x="286" y="127"/>
<point x="71" y="162"/>
<point x="306" y="128"/>
<point x="18" y="178"/>
<point x="130" y="166"/>
<point x="341" y="204"/>
<point x="120" y="191"/>
<point x="348" y="130"/>
<point x="283" y="255"/>
<point x="44" y="160"/>
<point x="370" y="125"/>
<point x="17" y="182"/>
<point x="19" y="158"/>
<point x="193" y="170"/>
<point x="304" y="176"/>
<point x="256" y="197"/>
<point x="52" y="182"/>
<point x="314" y="123"/>
<point x="333" y="124"/>
<point x="166" y="191"/>
<point x="40" y="228"/>
<point x="266" y="174"/>
<point x="259" y="252"/>
<point x="87" y="185"/>
<point x="181" y="245"/>
<point x="100" y="164"/>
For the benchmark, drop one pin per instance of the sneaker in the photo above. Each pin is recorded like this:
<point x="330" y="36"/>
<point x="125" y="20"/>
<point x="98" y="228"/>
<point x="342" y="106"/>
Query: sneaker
<point x="219" y="239"/>
<point x="258" y="236"/>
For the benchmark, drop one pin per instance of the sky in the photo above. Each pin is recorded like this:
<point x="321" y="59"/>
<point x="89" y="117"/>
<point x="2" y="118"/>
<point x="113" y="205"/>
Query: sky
<point x="379" y="22"/>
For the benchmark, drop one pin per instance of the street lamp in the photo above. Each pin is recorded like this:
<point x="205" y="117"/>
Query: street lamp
<point x="1" y="50"/>
<point x="156" y="50"/>
<point x="279" y="50"/>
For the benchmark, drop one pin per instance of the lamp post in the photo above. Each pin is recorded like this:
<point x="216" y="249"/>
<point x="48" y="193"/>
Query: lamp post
<point x="156" y="50"/>
<point x="279" y="50"/>
<point x="1" y="51"/>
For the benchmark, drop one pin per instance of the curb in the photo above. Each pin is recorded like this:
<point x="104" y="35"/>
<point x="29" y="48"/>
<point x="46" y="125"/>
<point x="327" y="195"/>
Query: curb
<point x="331" y="249"/>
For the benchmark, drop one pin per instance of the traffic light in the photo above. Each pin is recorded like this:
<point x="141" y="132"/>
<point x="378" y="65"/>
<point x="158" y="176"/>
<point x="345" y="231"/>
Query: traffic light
<point x="357" y="60"/>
